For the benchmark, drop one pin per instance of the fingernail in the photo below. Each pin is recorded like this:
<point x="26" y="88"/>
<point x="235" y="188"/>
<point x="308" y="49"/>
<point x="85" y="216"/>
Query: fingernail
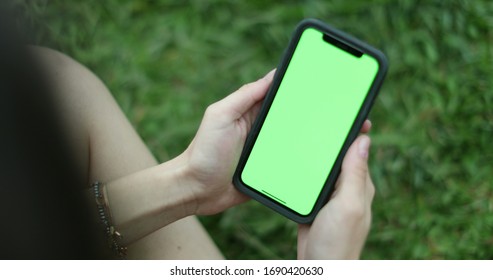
<point x="364" y="146"/>
<point x="270" y="74"/>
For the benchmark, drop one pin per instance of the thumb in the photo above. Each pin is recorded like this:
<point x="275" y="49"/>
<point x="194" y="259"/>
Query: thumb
<point x="354" y="172"/>
<point x="240" y="101"/>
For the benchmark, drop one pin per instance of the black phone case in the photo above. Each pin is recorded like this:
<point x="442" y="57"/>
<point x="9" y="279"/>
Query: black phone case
<point x="362" y="115"/>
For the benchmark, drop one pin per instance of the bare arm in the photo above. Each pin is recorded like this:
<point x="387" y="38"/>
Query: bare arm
<point x="198" y="182"/>
<point x="107" y="149"/>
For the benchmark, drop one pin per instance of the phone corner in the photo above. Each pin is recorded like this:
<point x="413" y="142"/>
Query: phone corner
<point x="236" y="180"/>
<point x="383" y="61"/>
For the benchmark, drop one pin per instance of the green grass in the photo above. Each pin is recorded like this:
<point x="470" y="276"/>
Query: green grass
<point x="432" y="154"/>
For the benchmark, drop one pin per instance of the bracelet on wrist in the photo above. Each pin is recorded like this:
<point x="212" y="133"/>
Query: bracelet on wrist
<point x="113" y="237"/>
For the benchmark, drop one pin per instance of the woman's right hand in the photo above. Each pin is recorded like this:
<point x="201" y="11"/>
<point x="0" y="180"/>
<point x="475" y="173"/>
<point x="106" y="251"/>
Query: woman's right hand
<point x="340" y="229"/>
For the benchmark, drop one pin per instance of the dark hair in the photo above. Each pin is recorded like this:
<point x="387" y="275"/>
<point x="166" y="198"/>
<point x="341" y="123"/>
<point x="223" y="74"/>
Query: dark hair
<point x="42" y="211"/>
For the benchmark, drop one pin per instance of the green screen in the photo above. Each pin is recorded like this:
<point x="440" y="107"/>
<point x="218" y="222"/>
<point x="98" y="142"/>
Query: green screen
<point x="311" y="115"/>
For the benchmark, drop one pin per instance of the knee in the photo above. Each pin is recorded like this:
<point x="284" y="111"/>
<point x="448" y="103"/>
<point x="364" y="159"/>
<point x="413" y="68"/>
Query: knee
<point x="63" y="70"/>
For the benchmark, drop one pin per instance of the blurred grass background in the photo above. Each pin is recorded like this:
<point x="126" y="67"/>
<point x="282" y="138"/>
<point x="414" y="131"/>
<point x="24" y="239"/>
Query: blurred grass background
<point x="432" y="155"/>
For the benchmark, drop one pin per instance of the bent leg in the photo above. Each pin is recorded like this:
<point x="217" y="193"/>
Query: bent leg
<point x="107" y="147"/>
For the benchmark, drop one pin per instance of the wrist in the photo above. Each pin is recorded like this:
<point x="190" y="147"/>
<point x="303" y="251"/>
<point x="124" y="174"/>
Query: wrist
<point x="183" y="185"/>
<point x="210" y="187"/>
<point x="203" y="198"/>
<point x="150" y="199"/>
<point x="193" y="184"/>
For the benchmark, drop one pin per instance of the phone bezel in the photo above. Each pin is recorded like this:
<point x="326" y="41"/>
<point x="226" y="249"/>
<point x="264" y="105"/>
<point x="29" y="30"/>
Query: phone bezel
<point x="361" y="117"/>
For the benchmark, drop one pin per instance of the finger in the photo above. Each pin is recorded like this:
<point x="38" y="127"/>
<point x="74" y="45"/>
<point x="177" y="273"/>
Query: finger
<point x="366" y="127"/>
<point x="239" y="102"/>
<point x="354" y="171"/>
<point x="370" y="189"/>
<point x="252" y="114"/>
<point x="303" y="231"/>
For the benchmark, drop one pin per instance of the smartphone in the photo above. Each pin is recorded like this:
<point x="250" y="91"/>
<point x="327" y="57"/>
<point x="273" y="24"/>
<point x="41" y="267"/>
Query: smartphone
<point x="321" y="95"/>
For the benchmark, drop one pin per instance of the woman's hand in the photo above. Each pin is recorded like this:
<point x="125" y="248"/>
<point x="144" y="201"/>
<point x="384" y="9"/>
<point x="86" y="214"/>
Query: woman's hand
<point x="213" y="154"/>
<point x="199" y="181"/>
<point x="340" y="229"/>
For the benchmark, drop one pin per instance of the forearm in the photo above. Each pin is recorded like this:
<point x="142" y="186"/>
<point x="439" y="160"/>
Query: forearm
<point x="107" y="148"/>
<point x="148" y="200"/>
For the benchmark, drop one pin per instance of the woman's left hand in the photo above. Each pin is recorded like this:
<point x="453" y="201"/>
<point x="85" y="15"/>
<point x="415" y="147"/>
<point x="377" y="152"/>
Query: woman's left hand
<point x="212" y="156"/>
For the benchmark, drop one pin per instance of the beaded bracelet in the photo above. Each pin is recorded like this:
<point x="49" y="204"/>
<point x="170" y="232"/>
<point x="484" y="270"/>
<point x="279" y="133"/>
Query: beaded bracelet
<point x="112" y="235"/>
